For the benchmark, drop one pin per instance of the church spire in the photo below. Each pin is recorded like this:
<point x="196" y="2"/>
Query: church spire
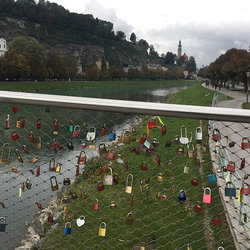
<point x="179" y="51"/>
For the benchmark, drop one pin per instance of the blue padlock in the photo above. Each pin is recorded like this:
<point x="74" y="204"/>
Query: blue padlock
<point x="70" y="127"/>
<point x="67" y="228"/>
<point x="230" y="190"/>
<point x="112" y="135"/>
<point x="182" y="197"/>
<point x="2" y="224"/>
<point x="211" y="177"/>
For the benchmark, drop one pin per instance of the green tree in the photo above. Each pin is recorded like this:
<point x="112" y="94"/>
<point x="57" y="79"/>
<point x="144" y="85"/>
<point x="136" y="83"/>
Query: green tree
<point x="143" y="45"/>
<point x="191" y="65"/>
<point x="180" y="61"/>
<point x="133" y="38"/>
<point x="169" y="58"/>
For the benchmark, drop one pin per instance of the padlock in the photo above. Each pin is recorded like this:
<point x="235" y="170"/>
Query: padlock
<point x="168" y="144"/>
<point x="245" y="144"/>
<point x="176" y="139"/>
<point x="111" y="155"/>
<point x="216" y="136"/>
<point x="169" y="162"/>
<point x="58" y="167"/>
<point x="198" y="207"/>
<point x="189" y="247"/>
<point x="137" y="151"/>
<point x="95" y="205"/>
<point x="14" y="109"/>
<point x="52" y="165"/>
<point x="180" y="150"/>
<point x="194" y="181"/>
<point x="126" y="137"/>
<point x="14" y="135"/>
<point x="65" y="200"/>
<point x="38" y="143"/>
<point x="25" y="150"/>
<point x="108" y="178"/>
<point x="102" y="229"/>
<point x="112" y="135"/>
<point x="28" y="183"/>
<point x="216" y="220"/>
<point x="155" y="143"/>
<point x="100" y="186"/>
<point x="77" y="170"/>
<point x="231" y="144"/>
<point x="147" y="180"/>
<point x="54" y="146"/>
<point x="38" y="123"/>
<point x="129" y="219"/>
<point x="211" y="177"/>
<point x="143" y="246"/>
<point x="197" y="162"/>
<point x="82" y="158"/>
<point x="119" y="159"/>
<point x="129" y="186"/>
<point x="191" y="151"/>
<point x="31" y="136"/>
<point x="70" y="145"/>
<point x="164" y="194"/>
<point x="5" y="157"/>
<point x="37" y="171"/>
<point x="186" y="170"/>
<point x="76" y="132"/>
<point x="21" y="189"/>
<point x="242" y="164"/>
<point x="144" y="166"/>
<point x="102" y="149"/>
<point x="158" y="160"/>
<point x="19" y="158"/>
<point x="132" y="201"/>
<point x="80" y="221"/>
<point x="113" y="204"/>
<point x="143" y="138"/>
<point x="184" y="139"/>
<point x="182" y="196"/>
<point x="74" y="196"/>
<point x="231" y="166"/>
<point x="160" y="177"/>
<point x="50" y="218"/>
<point x="67" y="228"/>
<point x="245" y="190"/>
<point x="230" y="190"/>
<point x="163" y="129"/>
<point x="103" y="129"/>
<point x="2" y="224"/>
<point x="35" y="159"/>
<point x="207" y="197"/>
<point x="54" y="186"/>
<point x="56" y="125"/>
<point x="91" y="134"/>
<point x="115" y="178"/>
<point x="20" y="122"/>
<point x="151" y="124"/>
<point x="70" y="126"/>
<point x="66" y="182"/>
<point x="92" y="146"/>
<point x="204" y="148"/>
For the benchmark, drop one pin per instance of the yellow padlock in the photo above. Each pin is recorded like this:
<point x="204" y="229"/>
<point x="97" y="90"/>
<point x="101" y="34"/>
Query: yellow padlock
<point x="92" y="147"/>
<point x="58" y="167"/>
<point x="160" y="177"/>
<point x="128" y="188"/>
<point x="102" y="229"/>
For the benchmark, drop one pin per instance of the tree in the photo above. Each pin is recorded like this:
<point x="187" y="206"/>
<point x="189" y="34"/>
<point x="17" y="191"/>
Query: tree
<point x="180" y="60"/>
<point x="143" y="45"/>
<point x="93" y="73"/>
<point x="191" y="65"/>
<point x="170" y="58"/>
<point x="152" y="52"/>
<point x="120" y="35"/>
<point x="133" y="38"/>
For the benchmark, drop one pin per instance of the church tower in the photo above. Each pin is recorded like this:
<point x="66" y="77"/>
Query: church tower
<point x="179" y="51"/>
<point x="3" y="46"/>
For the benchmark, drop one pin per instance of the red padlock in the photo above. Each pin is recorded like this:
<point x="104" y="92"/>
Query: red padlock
<point x="25" y="150"/>
<point x="60" y="147"/>
<point x="100" y="186"/>
<point x="14" y="135"/>
<point x="50" y="218"/>
<point x="231" y="166"/>
<point x="54" y="145"/>
<point x="143" y="138"/>
<point x="37" y="171"/>
<point x="14" y="109"/>
<point x="31" y="137"/>
<point x="132" y="201"/>
<point x="163" y="130"/>
<point x="101" y="169"/>
<point x="38" y="123"/>
<point x="242" y="164"/>
<point x="144" y="166"/>
<point x="194" y="181"/>
<point x="137" y="151"/>
<point x="77" y="170"/>
<point x="95" y="205"/>
<point x="198" y="207"/>
<point x="151" y="124"/>
<point x="158" y="160"/>
<point x="245" y="144"/>
<point x="217" y="220"/>
<point x="115" y="178"/>
<point x="207" y="197"/>
<point x="111" y="155"/>
<point x="216" y="135"/>
<point x="245" y="190"/>
<point x="103" y="130"/>
<point x="56" y="124"/>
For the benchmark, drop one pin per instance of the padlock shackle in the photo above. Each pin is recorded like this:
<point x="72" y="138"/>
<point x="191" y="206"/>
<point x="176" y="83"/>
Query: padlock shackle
<point x="132" y="178"/>
<point x="103" y="223"/>
<point x="92" y="130"/>
<point x="53" y="177"/>
<point x="183" y="129"/>
<point x="82" y="216"/>
<point x="96" y="200"/>
<point x="20" y="118"/>
<point x="3" y="147"/>
<point x="66" y="224"/>
<point x="245" y="138"/>
<point x="54" y="162"/>
<point x="77" y="127"/>
<point x="207" y="188"/>
<point x="129" y="214"/>
<point x="3" y="219"/>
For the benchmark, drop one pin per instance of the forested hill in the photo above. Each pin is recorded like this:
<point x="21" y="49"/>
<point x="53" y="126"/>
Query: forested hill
<point x="86" y="38"/>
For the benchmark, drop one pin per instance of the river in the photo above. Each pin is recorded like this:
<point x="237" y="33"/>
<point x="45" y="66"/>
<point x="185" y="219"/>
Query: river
<point x="19" y="210"/>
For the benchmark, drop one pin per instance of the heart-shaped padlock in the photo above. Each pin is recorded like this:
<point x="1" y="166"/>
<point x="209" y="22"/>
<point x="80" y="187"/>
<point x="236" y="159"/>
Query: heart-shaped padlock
<point x="80" y="221"/>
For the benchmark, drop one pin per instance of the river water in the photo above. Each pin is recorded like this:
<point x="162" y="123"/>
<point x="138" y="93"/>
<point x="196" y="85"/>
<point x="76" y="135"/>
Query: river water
<point x="21" y="209"/>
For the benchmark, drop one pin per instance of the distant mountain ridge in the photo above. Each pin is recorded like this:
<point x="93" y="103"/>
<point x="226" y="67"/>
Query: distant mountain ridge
<point x="89" y="40"/>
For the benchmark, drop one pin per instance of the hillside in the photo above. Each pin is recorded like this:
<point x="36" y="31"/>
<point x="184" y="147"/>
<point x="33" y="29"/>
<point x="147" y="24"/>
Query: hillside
<point x="86" y="38"/>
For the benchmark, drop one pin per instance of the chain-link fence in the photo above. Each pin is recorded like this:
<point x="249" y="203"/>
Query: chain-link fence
<point x="84" y="179"/>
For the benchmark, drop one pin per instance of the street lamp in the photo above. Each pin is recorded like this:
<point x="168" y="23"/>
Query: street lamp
<point x="248" y="74"/>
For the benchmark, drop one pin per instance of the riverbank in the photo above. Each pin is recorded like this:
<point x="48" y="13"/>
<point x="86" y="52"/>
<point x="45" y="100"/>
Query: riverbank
<point x="62" y="85"/>
<point x="154" y="204"/>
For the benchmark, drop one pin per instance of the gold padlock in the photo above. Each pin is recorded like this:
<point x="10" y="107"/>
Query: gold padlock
<point x="128" y="188"/>
<point x="112" y="204"/>
<point x="35" y="159"/>
<point x="92" y="147"/>
<point x="38" y="143"/>
<point x="143" y="246"/>
<point x="160" y="177"/>
<point x="102" y="229"/>
<point x="58" y="167"/>
<point x="204" y="148"/>
<point x="189" y="247"/>
<point x="5" y="158"/>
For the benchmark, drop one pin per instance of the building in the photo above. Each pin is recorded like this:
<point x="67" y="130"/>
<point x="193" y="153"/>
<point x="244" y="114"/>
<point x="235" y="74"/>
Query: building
<point x="179" y="51"/>
<point x="3" y="46"/>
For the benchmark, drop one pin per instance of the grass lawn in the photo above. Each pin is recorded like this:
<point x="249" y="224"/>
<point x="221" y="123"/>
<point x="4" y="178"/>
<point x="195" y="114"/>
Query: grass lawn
<point x="246" y="105"/>
<point x="42" y="86"/>
<point x="160" y="223"/>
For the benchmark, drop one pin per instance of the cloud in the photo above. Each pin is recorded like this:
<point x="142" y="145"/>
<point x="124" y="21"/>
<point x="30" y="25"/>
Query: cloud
<point x="204" y="42"/>
<point x="108" y="14"/>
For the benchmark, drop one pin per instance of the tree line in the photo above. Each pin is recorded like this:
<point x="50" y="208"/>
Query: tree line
<point x="231" y="66"/>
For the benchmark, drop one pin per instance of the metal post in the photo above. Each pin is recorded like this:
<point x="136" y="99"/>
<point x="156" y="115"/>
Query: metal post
<point x="248" y="74"/>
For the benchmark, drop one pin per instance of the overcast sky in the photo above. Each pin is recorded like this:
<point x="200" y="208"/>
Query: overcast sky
<point x="206" y="28"/>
